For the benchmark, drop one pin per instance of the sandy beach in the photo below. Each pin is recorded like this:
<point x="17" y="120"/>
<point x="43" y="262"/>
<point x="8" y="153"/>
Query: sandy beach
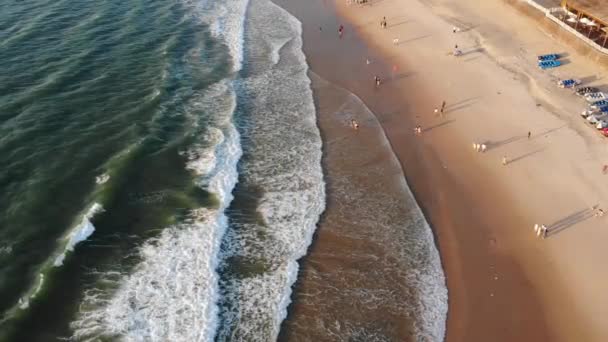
<point x="504" y="283"/>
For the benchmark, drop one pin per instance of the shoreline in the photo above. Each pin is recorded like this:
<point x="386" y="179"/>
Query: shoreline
<point x="497" y="271"/>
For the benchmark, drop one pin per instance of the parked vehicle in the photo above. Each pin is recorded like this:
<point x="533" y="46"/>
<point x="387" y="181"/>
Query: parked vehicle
<point x="604" y="132"/>
<point x="602" y="124"/>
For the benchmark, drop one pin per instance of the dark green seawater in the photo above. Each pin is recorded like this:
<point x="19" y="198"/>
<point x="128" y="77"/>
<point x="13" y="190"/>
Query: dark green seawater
<point x="87" y="89"/>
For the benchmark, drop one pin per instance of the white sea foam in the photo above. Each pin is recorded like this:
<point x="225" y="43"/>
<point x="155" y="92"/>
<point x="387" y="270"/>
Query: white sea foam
<point x="24" y="302"/>
<point x="226" y="19"/>
<point x="172" y="295"/>
<point x="283" y="162"/>
<point x="101" y="179"/>
<point x="80" y="233"/>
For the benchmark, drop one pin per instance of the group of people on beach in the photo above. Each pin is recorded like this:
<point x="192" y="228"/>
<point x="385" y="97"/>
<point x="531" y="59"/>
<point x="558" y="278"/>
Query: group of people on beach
<point x="541" y="230"/>
<point x="479" y="147"/>
<point x="439" y="111"/>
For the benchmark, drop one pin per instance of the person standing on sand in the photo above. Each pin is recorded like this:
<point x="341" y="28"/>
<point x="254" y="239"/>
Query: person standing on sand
<point x="529" y="134"/>
<point x="504" y="160"/>
<point x="341" y="30"/>
<point x="354" y="124"/>
<point x="544" y="230"/>
<point x="377" y="81"/>
<point x="442" y="107"/>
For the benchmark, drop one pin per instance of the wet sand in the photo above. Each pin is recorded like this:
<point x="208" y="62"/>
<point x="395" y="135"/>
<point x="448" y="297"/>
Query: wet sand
<point x="504" y="283"/>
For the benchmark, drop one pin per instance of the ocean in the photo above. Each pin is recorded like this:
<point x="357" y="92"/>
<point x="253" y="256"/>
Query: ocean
<point x="160" y="169"/>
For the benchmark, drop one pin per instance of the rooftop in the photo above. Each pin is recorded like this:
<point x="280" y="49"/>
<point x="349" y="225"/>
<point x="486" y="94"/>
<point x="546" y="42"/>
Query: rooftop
<point x="598" y="9"/>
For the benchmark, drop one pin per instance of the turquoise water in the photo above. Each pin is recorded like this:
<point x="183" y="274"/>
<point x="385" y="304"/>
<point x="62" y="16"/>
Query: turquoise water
<point x="121" y="126"/>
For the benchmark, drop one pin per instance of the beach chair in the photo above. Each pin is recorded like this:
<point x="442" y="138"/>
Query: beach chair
<point x="599" y="104"/>
<point x="569" y="83"/>
<point x="549" y="57"/>
<point x="586" y="90"/>
<point x="594" y="97"/>
<point x="549" y="64"/>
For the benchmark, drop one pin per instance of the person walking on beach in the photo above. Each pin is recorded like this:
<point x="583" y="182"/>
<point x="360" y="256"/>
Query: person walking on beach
<point x="442" y="107"/>
<point x="377" y="81"/>
<point x="529" y="134"/>
<point x="383" y="23"/>
<point x="605" y="169"/>
<point x="483" y="147"/>
<point x="354" y="124"/>
<point x="340" y="30"/>
<point x="544" y="231"/>
<point x="504" y="160"/>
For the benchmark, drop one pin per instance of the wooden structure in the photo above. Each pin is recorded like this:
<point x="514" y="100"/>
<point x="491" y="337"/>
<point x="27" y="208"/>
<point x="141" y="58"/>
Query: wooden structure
<point x="589" y="17"/>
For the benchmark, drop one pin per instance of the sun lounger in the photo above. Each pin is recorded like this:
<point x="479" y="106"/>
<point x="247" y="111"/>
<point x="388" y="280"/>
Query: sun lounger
<point x="586" y="90"/>
<point x="569" y="83"/>
<point x="594" y="97"/>
<point x="549" y="64"/>
<point x="549" y="57"/>
<point x="599" y="104"/>
<point x="596" y="94"/>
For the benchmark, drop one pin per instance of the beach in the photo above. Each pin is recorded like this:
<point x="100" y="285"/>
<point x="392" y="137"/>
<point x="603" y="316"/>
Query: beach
<point x="504" y="283"/>
<point x="249" y="170"/>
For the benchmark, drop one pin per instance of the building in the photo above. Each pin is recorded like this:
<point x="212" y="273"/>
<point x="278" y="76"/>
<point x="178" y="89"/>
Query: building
<point x="589" y="17"/>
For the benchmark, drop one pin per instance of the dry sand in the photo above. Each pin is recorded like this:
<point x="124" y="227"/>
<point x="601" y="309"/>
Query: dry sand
<point x="504" y="283"/>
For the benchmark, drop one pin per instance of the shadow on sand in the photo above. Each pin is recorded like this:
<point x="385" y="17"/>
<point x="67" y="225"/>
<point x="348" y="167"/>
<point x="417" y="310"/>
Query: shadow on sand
<point x="516" y="159"/>
<point x="437" y="126"/>
<point x="570" y="220"/>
